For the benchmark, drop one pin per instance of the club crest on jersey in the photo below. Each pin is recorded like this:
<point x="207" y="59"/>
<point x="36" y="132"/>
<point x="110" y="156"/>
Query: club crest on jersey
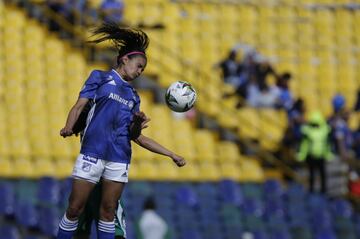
<point x="131" y="104"/>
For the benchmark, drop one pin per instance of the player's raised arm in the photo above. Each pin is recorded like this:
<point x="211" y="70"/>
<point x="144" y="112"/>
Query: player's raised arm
<point x="139" y="123"/>
<point x="155" y="147"/>
<point x="73" y="117"/>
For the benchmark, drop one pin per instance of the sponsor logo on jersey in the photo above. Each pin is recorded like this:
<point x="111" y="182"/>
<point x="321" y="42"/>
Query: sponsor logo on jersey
<point x="118" y="98"/>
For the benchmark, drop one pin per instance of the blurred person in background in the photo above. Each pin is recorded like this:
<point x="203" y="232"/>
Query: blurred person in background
<point x="315" y="148"/>
<point x="112" y="11"/>
<point x="292" y="135"/>
<point x="285" y="97"/>
<point x="341" y="135"/>
<point x="230" y="69"/>
<point x="61" y="7"/>
<point x="151" y="225"/>
<point x="357" y="103"/>
<point x="262" y="95"/>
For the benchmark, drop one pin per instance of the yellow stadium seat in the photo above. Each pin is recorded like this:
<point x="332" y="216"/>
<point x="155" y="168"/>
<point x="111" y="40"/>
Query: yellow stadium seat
<point x="205" y="145"/>
<point x="44" y="167"/>
<point x="227" y="152"/>
<point x="167" y="170"/>
<point x="189" y="172"/>
<point x="251" y="171"/>
<point x="354" y="121"/>
<point x="209" y="171"/>
<point x="24" y="167"/>
<point x="249" y="123"/>
<point x="6" y="168"/>
<point x="145" y="170"/>
<point x="140" y="153"/>
<point x="230" y="170"/>
<point x="63" y="168"/>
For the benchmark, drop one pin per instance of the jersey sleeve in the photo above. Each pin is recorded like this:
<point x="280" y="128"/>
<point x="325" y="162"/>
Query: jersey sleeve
<point x="91" y="85"/>
<point x="137" y="104"/>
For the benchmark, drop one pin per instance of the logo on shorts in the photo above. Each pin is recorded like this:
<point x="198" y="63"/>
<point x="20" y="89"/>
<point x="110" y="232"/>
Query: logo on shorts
<point x="124" y="175"/>
<point x="90" y="159"/>
<point x="86" y="167"/>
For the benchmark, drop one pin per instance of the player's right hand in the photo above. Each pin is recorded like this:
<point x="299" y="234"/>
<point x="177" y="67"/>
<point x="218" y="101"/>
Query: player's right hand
<point x="65" y="132"/>
<point x="180" y="161"/>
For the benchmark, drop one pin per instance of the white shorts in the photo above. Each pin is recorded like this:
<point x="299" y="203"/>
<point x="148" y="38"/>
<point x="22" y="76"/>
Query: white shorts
<point x="92" y="169"/>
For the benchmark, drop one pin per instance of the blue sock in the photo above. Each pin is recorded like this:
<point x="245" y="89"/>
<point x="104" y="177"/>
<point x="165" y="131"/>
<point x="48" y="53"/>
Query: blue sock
<point x="66" y="228"/>
<point x="106" y="230"/>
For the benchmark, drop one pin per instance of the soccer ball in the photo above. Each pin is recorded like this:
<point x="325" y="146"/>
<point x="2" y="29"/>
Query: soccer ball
<point x="180" y="96"/>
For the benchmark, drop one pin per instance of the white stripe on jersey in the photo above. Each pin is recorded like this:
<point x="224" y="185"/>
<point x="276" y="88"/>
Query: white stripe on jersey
<point x="89" y="117"/>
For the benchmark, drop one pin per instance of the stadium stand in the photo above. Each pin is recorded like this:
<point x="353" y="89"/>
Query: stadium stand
<point x="222" y="193"/>
<point x="48" y="87"/>
<point x="222" y="209"/>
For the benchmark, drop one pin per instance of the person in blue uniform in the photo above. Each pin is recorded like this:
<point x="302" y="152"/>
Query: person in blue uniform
<point x="113" y="121"/>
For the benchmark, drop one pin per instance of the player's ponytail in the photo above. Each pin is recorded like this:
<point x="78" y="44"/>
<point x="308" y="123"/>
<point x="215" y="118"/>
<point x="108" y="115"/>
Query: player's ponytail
<point x="128" y="41"/>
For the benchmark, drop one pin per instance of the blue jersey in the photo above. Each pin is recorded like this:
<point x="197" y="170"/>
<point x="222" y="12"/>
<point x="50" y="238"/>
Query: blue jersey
<point x="106" y="134"/>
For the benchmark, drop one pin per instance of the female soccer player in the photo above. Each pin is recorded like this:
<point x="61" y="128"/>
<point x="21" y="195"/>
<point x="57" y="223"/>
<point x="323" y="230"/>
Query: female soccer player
<point x="113" y="121"/>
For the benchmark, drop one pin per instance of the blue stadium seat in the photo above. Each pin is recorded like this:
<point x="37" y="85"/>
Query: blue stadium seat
<point x="252" y="190"/>
<point x="272" y="188"/>
<point x="280" y="234"/>
<point x="326" y="234"/>
<point x="316" y="201"/>
<point x="260" y="234"/>
<point x="9" y="232"/>
<point x="301" y="233"/>
<point x="295" y="192"/>
<point x="65" y="190"/>
<point x="165" y="189"/>
<point x="206" y="190"/>
<point x="49" y="219"/>
<point x="26" y="215"/>
<point x="212" y="232"/>
<point x="321" y="220"/>
<point x="230" y="215"/>
<point x="253" y="207"/>
<point x="26" y="191"/>
<point x="186" y="196"/>
<point x="7" y="195"/>
<point x="32" y="237"/>
<point x="48" y="192"/>
<point x="165" y="202"/>
<point x="130" y="230"/>
<point x="342" y="208"/>
<point x="274" y="214"/>
<point x="169" y="215"/>
<point x="191" y="234"/>
<point x="140" y="188"/>
<point x="229" y="192"/>
<point x="233" y="231"/>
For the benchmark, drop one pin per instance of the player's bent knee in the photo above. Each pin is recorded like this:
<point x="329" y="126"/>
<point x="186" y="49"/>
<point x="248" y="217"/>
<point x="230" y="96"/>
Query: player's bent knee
<point x="73" y="212"/>
<point x="107" y="212"/>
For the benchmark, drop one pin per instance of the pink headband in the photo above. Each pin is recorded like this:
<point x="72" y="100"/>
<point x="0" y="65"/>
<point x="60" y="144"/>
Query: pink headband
<point x="135" y="52"/>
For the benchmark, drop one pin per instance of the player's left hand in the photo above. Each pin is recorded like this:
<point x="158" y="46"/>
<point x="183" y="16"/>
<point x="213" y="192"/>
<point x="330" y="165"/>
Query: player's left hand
<point x="180" y="161"/>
